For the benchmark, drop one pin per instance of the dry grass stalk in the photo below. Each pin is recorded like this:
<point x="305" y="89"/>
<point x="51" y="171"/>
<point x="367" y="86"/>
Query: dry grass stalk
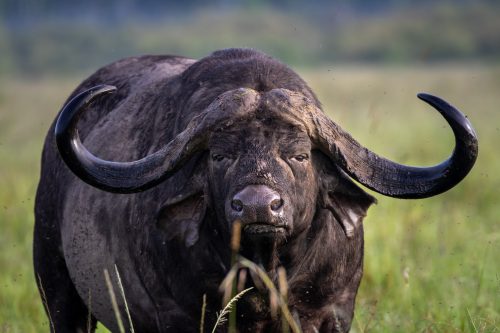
<point x="45" y="303"/>
<point x="114" y="304"/>
<point x="221" y="317"/>
<point x="273" y="305"/>
<point x="203" y="310"/>
<point x="272" y="289"/>
<point x="235" y="248"/>
<point x="283" y="287"/>
<point x="242" y="279"/>
<point x="282" y="283"/>
<point x="226" y="285"/>
<point x="236" y="236"/>
<point x="124" y="300"/>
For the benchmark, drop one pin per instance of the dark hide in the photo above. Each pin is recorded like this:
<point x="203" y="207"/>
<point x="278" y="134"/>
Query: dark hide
<point x="170" y="244"/>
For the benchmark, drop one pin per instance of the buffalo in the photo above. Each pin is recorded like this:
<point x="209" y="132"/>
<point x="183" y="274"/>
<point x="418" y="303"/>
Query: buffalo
<point x="154" y="158"/>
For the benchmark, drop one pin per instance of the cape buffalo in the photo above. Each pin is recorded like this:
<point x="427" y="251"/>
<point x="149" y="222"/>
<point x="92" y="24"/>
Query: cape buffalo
<point x="186" y="148"/>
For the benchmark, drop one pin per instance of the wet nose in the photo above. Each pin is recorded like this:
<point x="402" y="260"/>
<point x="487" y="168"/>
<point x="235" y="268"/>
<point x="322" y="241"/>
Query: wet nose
<point x="256" y="202"/>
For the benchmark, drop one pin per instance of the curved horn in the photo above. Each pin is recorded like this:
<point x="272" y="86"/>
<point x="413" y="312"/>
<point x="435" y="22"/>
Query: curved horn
<point x="140" y="175"/>
<point x="393" y="179"/>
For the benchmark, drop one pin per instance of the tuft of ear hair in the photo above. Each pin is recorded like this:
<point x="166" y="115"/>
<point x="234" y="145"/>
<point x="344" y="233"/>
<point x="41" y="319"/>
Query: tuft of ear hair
<point x="342" y="197"/>
<point x="182" y="214"/>
<point x="181" y="219"/>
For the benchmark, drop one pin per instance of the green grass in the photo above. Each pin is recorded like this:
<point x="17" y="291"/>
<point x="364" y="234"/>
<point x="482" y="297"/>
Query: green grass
<point x="431" y="265"/>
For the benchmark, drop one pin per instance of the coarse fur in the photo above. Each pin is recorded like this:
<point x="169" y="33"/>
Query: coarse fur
<point x="171" y="243"/>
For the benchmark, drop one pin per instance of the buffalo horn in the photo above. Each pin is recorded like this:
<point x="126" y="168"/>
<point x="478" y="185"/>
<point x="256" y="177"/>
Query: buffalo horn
<point x="140" y="175"/>
<point x="393" y="179"/>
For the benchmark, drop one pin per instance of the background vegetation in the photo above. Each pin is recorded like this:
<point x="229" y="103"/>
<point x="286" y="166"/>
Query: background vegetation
<point x="430" y="265"/>
<point x="53" y="36"/>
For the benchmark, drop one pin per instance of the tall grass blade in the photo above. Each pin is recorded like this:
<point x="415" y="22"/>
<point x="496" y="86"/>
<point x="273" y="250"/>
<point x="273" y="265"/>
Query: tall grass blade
<point x="113" y="301"/>
<point x="272" y="289"/>
<point x="45" y="303"/>
<point x="124" y="300"/>
<point x="283" y="286"/>
<point x="471" y="320"/>
<point x="235" y="248"/>
<point x="203" y="310"/>
<point x="358" y="323"/>
<point x="226" y="285"/>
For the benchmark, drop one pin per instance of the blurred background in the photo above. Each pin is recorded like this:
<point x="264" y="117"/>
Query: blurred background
<point x="431" y="265"/>
<point x="57" y="36"/>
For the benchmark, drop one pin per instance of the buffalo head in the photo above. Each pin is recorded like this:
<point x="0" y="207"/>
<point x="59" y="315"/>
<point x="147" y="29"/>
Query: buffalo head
<point x="267" y="154"/>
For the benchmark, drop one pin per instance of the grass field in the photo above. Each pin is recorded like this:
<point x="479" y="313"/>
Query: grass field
<point x="431" y="265"/>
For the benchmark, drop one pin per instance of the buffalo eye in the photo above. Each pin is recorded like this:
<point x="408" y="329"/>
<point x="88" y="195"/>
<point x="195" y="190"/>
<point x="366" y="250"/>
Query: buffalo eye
<point x="217" y="157"/>
<point x="301" y="157"/>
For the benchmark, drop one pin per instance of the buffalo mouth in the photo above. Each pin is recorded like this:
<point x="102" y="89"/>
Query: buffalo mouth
<point x="263" y="228"/>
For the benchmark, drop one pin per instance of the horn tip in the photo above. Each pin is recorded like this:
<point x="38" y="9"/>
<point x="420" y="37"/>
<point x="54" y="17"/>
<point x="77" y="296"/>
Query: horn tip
<point x="441" y="105"/>
<point x="428" y="98"/>
<point x="452" y="115"/>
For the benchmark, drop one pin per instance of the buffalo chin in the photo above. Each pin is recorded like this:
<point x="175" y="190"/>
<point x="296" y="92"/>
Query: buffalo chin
<point x="260" y="242"/>
<point x="263" y="229"/>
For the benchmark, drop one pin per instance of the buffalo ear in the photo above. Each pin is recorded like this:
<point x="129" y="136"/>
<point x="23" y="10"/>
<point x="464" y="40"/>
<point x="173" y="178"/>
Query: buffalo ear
<point x="343" y="198"/>
<point x="182" y="214"/>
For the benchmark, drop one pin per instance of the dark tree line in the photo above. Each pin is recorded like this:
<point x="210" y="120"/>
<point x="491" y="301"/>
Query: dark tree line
<point x="49" y="36"/>
<point x="22" y="11"/>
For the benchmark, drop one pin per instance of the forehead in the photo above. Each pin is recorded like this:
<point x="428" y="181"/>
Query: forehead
<point x="262" y="132"/>
<point x="275" y="119"/>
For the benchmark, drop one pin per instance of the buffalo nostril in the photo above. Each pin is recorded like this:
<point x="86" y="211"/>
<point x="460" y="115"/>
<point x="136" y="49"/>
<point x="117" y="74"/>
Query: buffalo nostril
<point x="237" y="205"/>
<point x="276" y="204"/>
